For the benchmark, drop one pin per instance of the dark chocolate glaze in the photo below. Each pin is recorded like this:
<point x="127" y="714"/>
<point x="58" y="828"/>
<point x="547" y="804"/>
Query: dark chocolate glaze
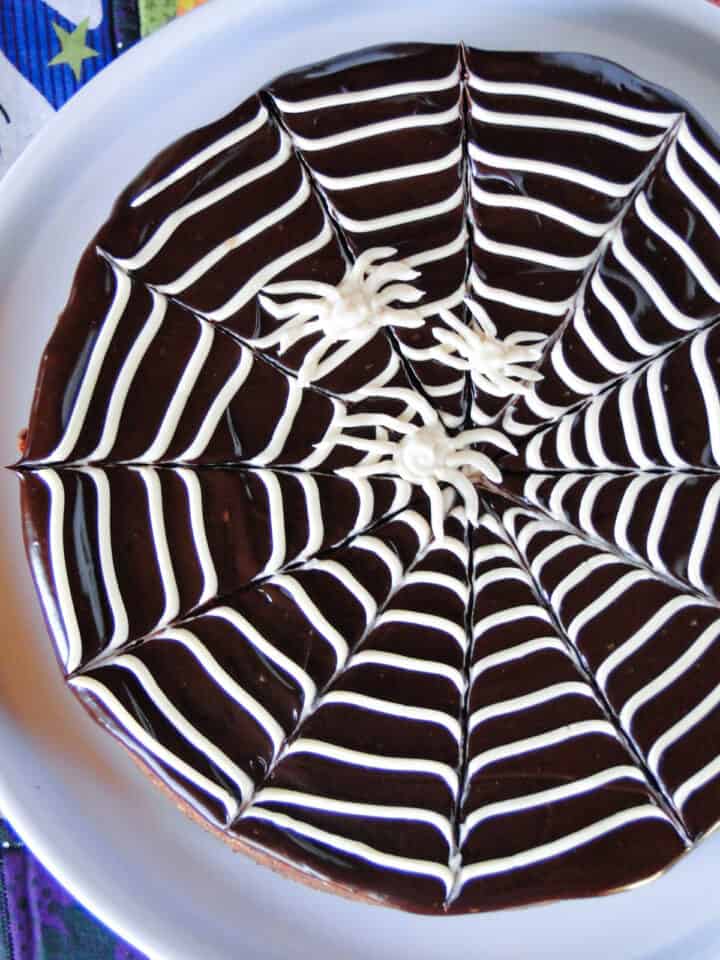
<point x="521" y="710"/>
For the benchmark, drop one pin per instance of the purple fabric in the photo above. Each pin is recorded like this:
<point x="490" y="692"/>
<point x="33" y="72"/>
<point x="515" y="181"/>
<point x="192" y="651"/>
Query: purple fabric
<point x="44" y="921"/>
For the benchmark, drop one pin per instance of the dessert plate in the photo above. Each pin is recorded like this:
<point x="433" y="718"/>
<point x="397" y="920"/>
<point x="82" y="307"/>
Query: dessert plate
<point x="78" y="800"/>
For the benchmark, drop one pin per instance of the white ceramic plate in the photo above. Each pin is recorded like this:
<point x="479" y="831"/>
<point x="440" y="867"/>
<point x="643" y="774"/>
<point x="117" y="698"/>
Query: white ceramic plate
<point x="115" y="840"/>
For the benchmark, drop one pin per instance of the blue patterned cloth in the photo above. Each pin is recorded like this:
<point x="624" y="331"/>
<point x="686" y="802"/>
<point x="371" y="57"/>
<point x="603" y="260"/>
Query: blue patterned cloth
<point x="48" y="50"/>
<point x="29" y="41"/>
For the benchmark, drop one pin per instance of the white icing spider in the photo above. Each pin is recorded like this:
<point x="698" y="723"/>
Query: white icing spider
<point x="353" y="311"/>
<point x="422" y="454"/>
<point x="496" y="366"/>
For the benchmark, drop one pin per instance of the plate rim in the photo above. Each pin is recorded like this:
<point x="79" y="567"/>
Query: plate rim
<point x="181" y="34"/>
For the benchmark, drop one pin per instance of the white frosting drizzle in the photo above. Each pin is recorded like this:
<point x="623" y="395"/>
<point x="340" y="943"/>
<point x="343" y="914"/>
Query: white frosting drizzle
<point x="600" y="352"/>
<point x="668" y="676"/>
<point x="429" y="620"/>
<point x="701" y="540"/>
<point x="406" y="89"/>
<point x="268" y="273"/>
<point x="66" y="630"/>
<point x="655" y="118"/>
<point x="550" y="308"/>
<point x="529" y="700"/>
<point x="392" y="709"/>
<point x="254" y="637"/>
<point x="391" y="220"/>
<point x="361" y="180"/>
<point x="577" y="576"/>
<point x="605" y="131"/>
<point x="699" y="154"/>
<point x="636" y="640"/>
<point x="651" y="630"/>
<point x="588" y="228"/>
<point x="559" y="172"/>
<point x="383" y="552"/>
<point x="460" y="589"/>
<point x="408" y="122"/>
<point x="647" y="381"/>
<point x="374" y="811"/>
<point x="125" y="377"/>
<point x="649" y="549"/>
<point x="182" y="724"/>
<point x="234" y="690"/>
<point x="181" y="395"/>
<point x="146" y="741"/>
<point x="696" y="782"/>
<point x="182" y="214"/>
<point x="218" y="253"/>
<point x="440" y="253"/>
<point x="276" y="515"/>
<point x="314" y="514"/>
<point x="160" y="542"/>
<point x="554" y="848"/>
<point x="218" y="407"/>
<point x="517" y="652"/>
<point x="510" y="615"/>
<point x="314" y="616"/>
<point x="199" y="534"/>
<point x="400" y="662"/>
<point x="500" y="575"/>
<point x="107" y="562"/>
<point x="376" y="761"/>
<point x="687" y="186"/>
<point x="506" y="751"/>
<point x="92" y="371"/>
<point x="351" y="584"/>
<point x="355" y="847"/>
<point x="202" y="156"/>
<point x="675" y="733"/>
<point x="531" y="254"/>
<point x="690" y="259"/>
<point x="642" y="275"/>
<point x="708" y="388"/>
<point x="565" y="791"/>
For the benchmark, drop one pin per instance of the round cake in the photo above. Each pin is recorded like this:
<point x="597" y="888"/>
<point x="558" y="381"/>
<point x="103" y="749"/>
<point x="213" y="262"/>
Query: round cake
<point x="372" y="480"/>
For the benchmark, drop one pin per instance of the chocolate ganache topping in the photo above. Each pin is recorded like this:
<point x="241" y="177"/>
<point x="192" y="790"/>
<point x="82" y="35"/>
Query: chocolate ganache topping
<point x="372" y="481"/>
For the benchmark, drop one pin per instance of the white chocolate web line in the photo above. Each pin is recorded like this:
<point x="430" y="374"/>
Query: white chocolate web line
<point x="405" y="354"/>
<point x="665" y="801"/>
<point x="621" y="549"/>
<point x="575" y="306"/>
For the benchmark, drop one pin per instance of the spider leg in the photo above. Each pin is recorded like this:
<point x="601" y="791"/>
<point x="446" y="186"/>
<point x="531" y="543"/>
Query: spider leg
<point x="312" y="287"/>
<point x="523" y="373"/>
<point x="482" y="316"/>
<point x="404" y="292"/>
<point x="395" y="270"/>
<point x="364" y="470"/>
<point x="408" y="319"/>
<point x="448" y="317"/>
<point x="484" y="435"/>
<point x="333" y="360"/>
<point x="466" y="490"/>
<point x="367" y="259"/>
<point x="437" y="506"/>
